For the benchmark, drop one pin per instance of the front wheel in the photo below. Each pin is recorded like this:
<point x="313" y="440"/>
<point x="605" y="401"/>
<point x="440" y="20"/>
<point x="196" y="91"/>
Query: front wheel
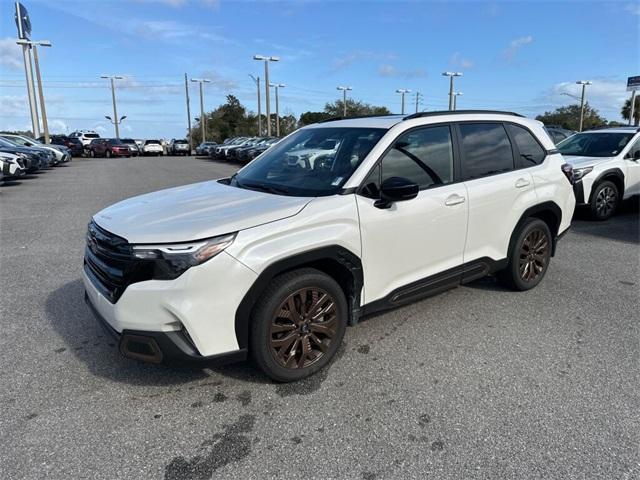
<point x="530" y="257"/>
<point x="298" y="324"/>
<point x="604" y="200"/>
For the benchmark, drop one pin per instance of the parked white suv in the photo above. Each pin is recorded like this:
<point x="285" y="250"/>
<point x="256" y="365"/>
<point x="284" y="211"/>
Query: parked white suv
<point x="85" y="136"/>
<point x="606" y="165"/>
<point x="152" y="147"/>
<point x="278" y="259"/>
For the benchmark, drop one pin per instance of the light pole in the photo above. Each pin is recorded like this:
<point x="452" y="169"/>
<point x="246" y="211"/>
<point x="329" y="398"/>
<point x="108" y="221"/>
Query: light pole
<point x="186" y="91"/>
<point x="344" y="99"/>
<point x="266" y="60"/>
<point x="257" y="82"/>
<point x="277" y="86"/>
<point x="584" y="84"/>
<point x="24" y="32"/>
<point x="418" y="95"/>
<point x="203" y="120"/>
<point x="455" y="98"/>
<point x="33" y="45"/>
<point x="451" y="76"/>
<point x="115" y="121"/>
<point x="402" y="92"/>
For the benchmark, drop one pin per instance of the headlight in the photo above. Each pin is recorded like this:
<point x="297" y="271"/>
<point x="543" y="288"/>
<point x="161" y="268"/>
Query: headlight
<point x="171" y="260"/>
<point x="578" y="173"/>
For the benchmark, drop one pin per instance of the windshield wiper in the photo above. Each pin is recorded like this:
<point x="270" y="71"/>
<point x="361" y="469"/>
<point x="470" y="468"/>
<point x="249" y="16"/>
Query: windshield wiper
<point x="263" y="188"/>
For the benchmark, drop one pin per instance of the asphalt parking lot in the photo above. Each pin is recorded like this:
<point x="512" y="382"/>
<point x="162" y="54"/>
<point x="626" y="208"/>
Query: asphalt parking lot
<point x="478" y="382"/>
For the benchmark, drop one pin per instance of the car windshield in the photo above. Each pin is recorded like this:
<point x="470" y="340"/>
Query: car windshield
<point x="310" y="162"/>
<point x="152" y="142"/>
<point x="91" y="135"/>
<point x="182" y="142"/>
<point x="18" y="141"/>
<point x="595" y="144"/>
<point x="7" y="143"/>
<point x="115" y="141"/>
<point x="128" y="140"/>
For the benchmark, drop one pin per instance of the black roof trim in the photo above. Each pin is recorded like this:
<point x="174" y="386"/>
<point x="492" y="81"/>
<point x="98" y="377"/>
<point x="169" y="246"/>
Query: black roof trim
<point x="459" y="112"/>
<point x="335" y="119"/>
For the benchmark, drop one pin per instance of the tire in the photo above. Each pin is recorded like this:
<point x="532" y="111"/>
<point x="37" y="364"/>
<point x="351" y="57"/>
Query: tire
<point x="313" y="342"/>
<point x="107" y="153"/>
<point x="526" y="268"/>
<point x="604" y="200"/>
<point x="92" y="154"/>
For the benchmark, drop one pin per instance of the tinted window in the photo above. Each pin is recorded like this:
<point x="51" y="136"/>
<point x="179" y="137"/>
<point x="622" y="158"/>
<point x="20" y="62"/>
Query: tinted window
<point x="633" y="151"/>
<point x="595" y="144"/>
<point x="531" y="153"/>
<point x="486" y="149"/>
<point x="424" y="156"/>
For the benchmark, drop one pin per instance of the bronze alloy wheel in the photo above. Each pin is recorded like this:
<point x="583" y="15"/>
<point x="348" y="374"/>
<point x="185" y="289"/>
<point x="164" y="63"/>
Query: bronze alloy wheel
<point x="606" y="201"/>
<point x="533" y="255"/>
<point x="303" y="327"/>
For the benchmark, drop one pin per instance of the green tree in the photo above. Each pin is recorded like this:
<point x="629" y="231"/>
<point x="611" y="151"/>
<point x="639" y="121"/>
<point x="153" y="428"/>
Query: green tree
<point x="625" y="112"/>
<point x="354" y="108"/>
<point x="307" y="118"/>
<point x="569" y="117"/>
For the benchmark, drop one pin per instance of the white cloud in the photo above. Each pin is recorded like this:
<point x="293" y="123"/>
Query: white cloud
<point x="457" y="60"/>
<point x="13" y="105"/>
<point x="388" y="70"/>
<point x="633" y="8"/>
<point x="348" y="59"/>
<point x="58" y="126"/>
<point x="606" y="95"/>
<point x="514" y="47"/>
<point x="10" y="54"/>
<point x="172" y="31"/>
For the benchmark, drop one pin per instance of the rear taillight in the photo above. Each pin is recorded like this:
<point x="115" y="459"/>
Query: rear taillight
<point x="568" y="172"/>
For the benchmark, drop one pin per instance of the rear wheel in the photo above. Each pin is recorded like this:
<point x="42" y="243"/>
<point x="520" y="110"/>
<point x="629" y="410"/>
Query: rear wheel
<point x="604" y="200"/>
<point x="298" y="324"/>
<point x="530" y="257"/>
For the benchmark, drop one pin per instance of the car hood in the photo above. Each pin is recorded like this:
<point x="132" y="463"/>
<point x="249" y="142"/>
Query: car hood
<point x="579" y="162"/>
<point x="194" y="212"/>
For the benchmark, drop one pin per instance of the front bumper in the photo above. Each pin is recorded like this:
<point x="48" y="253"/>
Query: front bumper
<point x="191" y="317"/>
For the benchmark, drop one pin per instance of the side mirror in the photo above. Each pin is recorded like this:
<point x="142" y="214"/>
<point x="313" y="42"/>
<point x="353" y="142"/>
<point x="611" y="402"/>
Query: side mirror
<point x="396" y="189"/>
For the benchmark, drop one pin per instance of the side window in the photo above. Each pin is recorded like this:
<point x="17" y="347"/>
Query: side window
<point x="424" y="156"/>
<point x="634" y="151"/>
<point x="486" y="150"/>
<point x="531" y="153"/>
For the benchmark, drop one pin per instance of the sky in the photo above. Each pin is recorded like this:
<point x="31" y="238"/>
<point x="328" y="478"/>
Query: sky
<point x="521" y="56"/>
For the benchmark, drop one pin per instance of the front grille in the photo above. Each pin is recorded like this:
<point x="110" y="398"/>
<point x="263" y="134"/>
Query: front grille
<point x="108" y="261"/>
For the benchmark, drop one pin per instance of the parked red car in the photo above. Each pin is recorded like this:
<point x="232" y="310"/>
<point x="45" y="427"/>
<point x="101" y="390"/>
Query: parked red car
<point x="108" y="147"/>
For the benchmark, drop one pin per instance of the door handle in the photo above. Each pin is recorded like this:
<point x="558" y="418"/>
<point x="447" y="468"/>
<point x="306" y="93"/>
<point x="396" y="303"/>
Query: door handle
<point x="454" y="199"/>
<point x="521" y="183"/>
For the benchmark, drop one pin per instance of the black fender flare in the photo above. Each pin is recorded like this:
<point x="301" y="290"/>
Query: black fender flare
<point x="334" y="253"/>
<point x="536" y="211"/>
<point x="612" y="172"/>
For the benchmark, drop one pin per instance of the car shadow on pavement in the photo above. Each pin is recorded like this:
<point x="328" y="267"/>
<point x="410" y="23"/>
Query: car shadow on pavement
<point x="90" y="343"/>
<point x="624" y="226"/>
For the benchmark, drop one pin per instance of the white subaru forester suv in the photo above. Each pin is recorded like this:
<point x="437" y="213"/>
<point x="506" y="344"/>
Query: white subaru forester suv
<point x="277" y="260"/>
<point x="606" y="167"/>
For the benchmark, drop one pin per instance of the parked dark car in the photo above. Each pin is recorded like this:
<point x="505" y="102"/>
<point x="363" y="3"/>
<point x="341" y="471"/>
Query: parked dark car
<point x="108" y="147"/>
<point x="34" y="158"/>
<point x="246" y="155"/>
<point x="559" y="134"/>
<point x="72" y="143"/>
<point x="205" y="148"/>
<point x="133" y="146"/>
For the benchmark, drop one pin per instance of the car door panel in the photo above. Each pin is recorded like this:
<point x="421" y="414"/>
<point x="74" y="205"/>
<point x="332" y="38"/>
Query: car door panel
<point x="411" y="240"/>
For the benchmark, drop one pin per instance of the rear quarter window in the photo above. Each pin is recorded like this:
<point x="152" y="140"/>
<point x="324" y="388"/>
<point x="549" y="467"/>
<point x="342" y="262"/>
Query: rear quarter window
<point x="486" y="150"/>
<point x="529" y="151"/>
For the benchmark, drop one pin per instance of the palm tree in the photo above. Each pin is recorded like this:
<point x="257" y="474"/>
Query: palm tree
<point x="636" y="110"/>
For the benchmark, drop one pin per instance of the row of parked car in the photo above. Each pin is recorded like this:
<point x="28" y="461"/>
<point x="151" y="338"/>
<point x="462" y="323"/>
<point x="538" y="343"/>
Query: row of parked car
<point x="239" y="149"/>
<point x="20" y="155"/>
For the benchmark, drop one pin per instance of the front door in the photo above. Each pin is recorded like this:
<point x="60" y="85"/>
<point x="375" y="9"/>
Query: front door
<point x="411" y="240"/>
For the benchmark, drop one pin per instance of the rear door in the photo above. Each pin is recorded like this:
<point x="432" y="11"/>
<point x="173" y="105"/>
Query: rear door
<point x="499" y="192"/>
<point x="632" y="176"/>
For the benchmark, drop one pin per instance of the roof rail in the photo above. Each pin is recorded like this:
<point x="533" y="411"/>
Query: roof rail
<point x="335" y="119"/>
<point x="458" y="112"/>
